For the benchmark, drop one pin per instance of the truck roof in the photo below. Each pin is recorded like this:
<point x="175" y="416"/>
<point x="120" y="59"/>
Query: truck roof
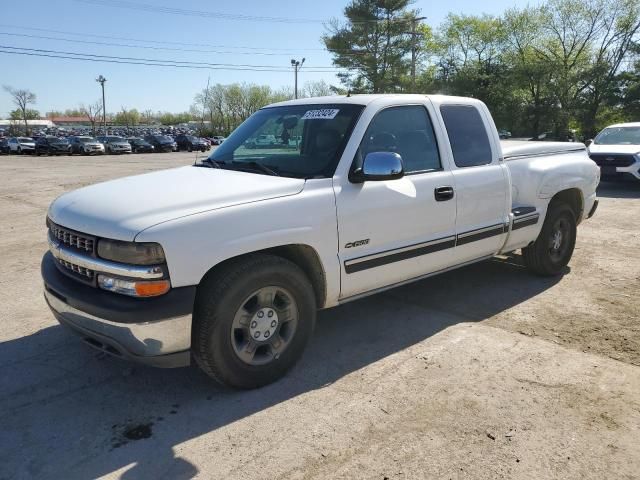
<point x="365" y="99"/>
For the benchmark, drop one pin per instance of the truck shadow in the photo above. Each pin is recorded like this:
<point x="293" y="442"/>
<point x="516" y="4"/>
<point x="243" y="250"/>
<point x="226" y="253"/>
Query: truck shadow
<point x="78" y="414"/>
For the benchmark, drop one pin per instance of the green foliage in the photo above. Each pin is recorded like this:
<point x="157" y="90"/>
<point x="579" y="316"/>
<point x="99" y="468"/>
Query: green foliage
<point x="372" y="45"/>
<point x="565" y="64"/>
<point x="29" y="114"/>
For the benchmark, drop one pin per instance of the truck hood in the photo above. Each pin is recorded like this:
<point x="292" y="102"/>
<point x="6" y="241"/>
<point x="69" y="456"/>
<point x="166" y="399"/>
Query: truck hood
<point x="120" y="209"/>
<point x="624" y="149"/>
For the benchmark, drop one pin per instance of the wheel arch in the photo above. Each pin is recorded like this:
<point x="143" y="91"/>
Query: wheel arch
<point x="572" y="197"/>
<point x="304" y="256"/>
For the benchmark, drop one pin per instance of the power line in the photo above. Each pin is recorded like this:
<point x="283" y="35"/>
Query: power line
<point x="146" y="7"/>
<point x="147" y="47"/>
<point x="165" y="42"/>
<point x="155" y="60"/>
<point x="152" y="63"/>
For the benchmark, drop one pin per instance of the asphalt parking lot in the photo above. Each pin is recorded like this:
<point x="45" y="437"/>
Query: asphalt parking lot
<point x="484" y="372"/>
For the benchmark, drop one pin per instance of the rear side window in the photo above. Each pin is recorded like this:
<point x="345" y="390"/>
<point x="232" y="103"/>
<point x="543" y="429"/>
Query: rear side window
<point x="467" y="134"/>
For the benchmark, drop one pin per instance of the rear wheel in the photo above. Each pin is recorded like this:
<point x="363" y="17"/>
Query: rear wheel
<point x="552" y="250"/>
<point x="252" y="321"/>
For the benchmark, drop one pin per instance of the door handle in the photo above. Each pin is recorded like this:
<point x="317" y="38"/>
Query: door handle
<point x="443" y="194"/>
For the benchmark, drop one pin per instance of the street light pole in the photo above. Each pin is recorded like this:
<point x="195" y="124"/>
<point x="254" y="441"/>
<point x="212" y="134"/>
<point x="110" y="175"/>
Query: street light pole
<point x="101" y="81"/>
<point x="414" y="47"/>
<point x="296" y="66"/>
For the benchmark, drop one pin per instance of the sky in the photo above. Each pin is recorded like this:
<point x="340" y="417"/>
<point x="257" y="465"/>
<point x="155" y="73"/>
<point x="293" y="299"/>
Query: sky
<point x="243" y="32"/>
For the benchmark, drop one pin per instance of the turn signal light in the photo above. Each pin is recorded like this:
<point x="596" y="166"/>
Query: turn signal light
<point x="152" y="289"/>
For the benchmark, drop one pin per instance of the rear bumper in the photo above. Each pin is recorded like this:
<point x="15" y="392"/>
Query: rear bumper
<point x="155" y="332"/>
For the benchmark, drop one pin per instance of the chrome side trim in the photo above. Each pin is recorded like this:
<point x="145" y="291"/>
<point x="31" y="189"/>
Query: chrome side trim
<point x="482" y="230"/>
<point x="143" y="339"/>
<point x="104" y="266"/>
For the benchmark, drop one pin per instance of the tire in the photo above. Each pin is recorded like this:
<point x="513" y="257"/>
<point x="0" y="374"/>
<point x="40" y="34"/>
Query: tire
<point x="19" y="151"/>
<point x="552" y="251"/>
<point x="232" y="310"/>
<point x="189" y="148"/>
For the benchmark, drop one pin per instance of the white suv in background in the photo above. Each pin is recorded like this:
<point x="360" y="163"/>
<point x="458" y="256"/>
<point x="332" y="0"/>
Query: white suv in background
<point x="21" y="145"/>
<point x="616" y="150"/>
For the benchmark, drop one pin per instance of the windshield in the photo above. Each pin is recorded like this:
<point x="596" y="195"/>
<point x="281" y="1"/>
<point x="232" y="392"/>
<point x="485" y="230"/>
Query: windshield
<point x="85" y="139"/>
<point x="58" y="140"/>
<point x="303" y="141"/>
<point x="619" y="136"/>
<point x="25" y="140"/>
<point x="115" y="139"/>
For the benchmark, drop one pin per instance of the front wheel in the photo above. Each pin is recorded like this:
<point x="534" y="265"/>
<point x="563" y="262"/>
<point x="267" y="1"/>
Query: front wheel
<point x="552" y="250"/>
<point x="252" y="321"/>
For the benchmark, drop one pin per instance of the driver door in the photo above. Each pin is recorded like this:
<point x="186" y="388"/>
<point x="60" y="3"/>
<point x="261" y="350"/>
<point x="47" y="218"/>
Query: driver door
<point x="391" y="231"/>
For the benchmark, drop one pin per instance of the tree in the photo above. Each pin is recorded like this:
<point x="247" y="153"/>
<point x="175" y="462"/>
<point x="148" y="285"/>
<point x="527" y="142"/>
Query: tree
<point x="93" y="112"/>
<point x="128" y="118"/>
<point x="618" y="26"/>
<point x="22" y="99"/>
<point x="372" y="45"/>
<point x="316" y="89"/>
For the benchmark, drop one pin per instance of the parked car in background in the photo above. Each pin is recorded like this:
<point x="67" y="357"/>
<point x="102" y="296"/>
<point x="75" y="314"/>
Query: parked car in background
<point x="52" y="146"/>
<point x="21" y="145"/>
<point x="190" y="143"/>
<point x="113" y="144"/>
<point x="265" y="140"/>
<point x="161" y="143"/>
<point x="504" y="134"/>
<point x="616" y="150"/>
<point x="86" y="145"/>
<point x="217" y="140"/>
<point x="4" y="145"/>
<point x="140" y="145"/>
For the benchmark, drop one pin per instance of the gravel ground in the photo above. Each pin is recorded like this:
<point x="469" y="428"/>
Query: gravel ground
<point x="484" y="372"/>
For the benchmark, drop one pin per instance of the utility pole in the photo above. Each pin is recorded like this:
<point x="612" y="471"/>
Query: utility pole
<point x="414" y="48"/>
<point x="297" y="65"/>
<point x="101" y="81"/>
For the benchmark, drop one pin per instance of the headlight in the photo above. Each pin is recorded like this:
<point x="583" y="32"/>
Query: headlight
<point x="131" y="252"/>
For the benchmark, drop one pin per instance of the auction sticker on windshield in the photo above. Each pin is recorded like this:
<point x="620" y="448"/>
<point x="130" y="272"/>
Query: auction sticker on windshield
<point x="324" y="114"/>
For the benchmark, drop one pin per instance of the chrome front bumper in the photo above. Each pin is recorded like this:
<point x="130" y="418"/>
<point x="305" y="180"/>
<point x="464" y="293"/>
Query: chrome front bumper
<point x="162" y="343"/>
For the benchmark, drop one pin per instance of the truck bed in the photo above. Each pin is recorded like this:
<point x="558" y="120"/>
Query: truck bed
<point x="515" y="149"/>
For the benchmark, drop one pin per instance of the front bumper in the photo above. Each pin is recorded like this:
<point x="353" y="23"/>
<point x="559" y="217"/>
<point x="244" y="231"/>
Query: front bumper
<point x="632" y="170"/>
<point x="153" y="331"/>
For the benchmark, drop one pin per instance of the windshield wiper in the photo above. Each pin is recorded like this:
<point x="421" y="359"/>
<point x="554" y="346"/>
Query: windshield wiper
<point x="209" y="163"/>
<point x="257" y="166"/>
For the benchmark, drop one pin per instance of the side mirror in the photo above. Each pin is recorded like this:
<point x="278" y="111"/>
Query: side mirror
<point x="379" y="166"/>
<point x="588" y="142"/>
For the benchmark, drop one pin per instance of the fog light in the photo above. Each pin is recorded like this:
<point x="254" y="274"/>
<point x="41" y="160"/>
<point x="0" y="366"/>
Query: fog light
<point x="134" y="288"/>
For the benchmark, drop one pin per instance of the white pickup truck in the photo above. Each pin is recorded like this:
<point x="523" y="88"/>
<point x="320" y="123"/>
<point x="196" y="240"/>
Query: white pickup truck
<point x="227" y="261"/>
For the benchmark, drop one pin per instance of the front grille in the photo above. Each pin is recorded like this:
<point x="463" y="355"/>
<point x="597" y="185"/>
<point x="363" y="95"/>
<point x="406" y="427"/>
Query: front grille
<point x="607" y="160"/>
<point x="70" y="238"/>
<point x="83" y="272"/>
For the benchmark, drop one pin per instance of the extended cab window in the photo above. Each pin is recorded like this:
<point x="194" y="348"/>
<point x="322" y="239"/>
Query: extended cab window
<point x="405" y="130"/>
<point x="467" y="135"/>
